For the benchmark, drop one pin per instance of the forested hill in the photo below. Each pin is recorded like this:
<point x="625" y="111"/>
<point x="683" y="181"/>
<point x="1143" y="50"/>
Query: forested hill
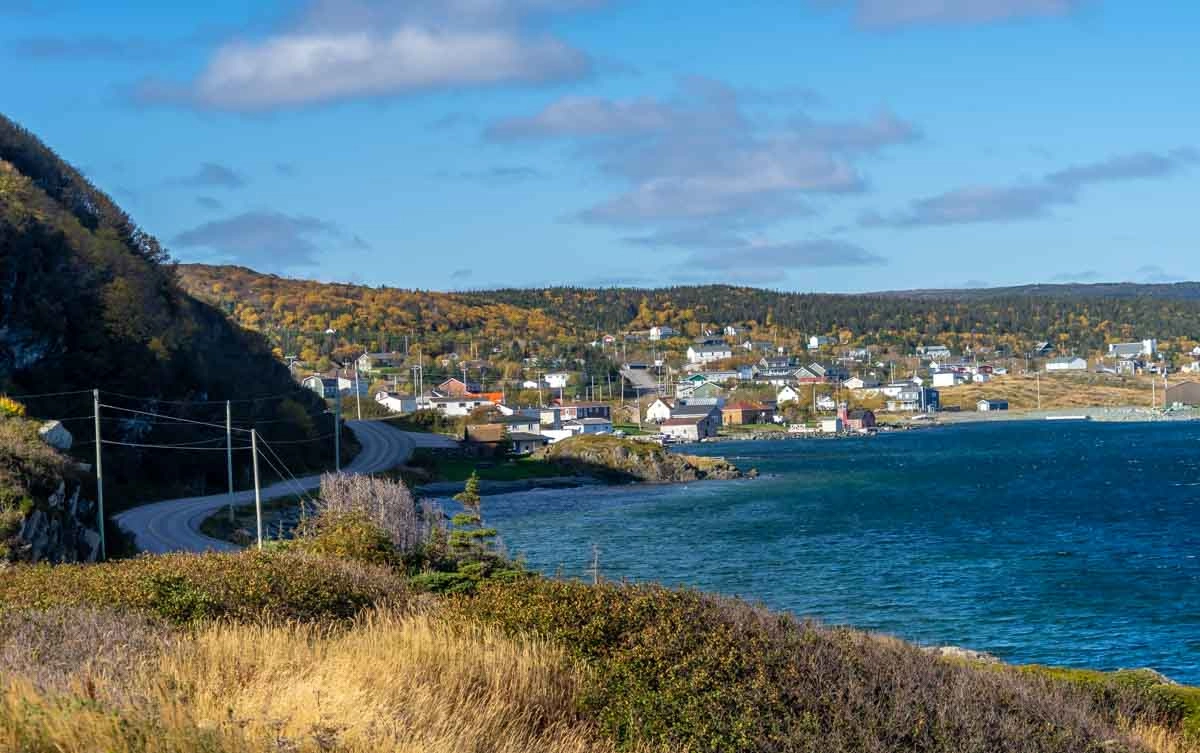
<point x="89" y="300"/>
<point x="1181" y="291"/>
<point x="297" y="314"/>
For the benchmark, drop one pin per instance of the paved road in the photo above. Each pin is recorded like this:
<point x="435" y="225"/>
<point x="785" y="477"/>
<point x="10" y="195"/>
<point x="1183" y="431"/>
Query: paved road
<point x="173" y="525"/>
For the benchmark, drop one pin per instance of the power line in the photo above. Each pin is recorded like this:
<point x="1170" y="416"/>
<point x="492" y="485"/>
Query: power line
<point x="166" y="446"/>
<point x="299" y="486"/>
<point x="239" y="401"/>
<point x="47" y="394"/>
<point x="298" y="441"/>
<point x="174" y="419"/>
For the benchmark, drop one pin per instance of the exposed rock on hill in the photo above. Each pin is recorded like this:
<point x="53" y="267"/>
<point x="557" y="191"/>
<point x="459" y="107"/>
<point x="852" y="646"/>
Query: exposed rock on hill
<point x="617" y="459"/>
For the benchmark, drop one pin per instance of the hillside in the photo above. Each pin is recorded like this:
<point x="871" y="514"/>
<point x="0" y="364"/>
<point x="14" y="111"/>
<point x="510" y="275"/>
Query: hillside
<point x="297" y="315"/>
<point x="89" y="300"/>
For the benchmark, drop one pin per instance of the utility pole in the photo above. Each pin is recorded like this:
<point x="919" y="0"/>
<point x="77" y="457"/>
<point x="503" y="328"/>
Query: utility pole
<point x="257" y="491"/>
<point x="99" y="474"/>
<point x="357" y="397"/>
<point x="337" y="434"/>
<point x="229" y="454"/>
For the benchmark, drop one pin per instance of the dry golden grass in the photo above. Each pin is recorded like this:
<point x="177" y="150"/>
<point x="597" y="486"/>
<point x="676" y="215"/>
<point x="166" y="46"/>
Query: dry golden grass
<point x="1159" y="740"/>
<point x="1058" y="391"/>
<point x="388" y="683"/>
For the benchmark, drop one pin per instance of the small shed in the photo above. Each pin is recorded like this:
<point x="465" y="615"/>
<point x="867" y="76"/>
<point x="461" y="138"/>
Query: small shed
<point x="987" y="406"/>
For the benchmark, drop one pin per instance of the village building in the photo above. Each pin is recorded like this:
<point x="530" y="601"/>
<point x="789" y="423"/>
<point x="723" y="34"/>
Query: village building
<point x="860" y="420"/>
<point x="914" y="398"/>
<point x="687" y="429"/>
<point x="988" y="406"/>
<point x="458" y="406"/>
<point x="580" y="410"/>
<point x="1074" y="363"/>
<point x="397" y="402"/>
<point x="708" y="351"/>
<point x="658" y="411"/>
<point x="740" y="413"/>
<point x="861" y="383"/>
<point x="787" y="394"/>
<point x="369" y="362"/>
<point x="455" y="387"/>
<point x="1148" y="348"/>
<point x="589" y="426"/>
<point x="661" y="332"/>
<point x="819" y="341"/>
<point x="1186" y="394"/>
<point x="557" y="380"/>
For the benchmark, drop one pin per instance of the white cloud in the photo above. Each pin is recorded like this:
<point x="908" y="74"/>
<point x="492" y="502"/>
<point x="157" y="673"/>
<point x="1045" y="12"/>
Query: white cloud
<point x="340" y="51"/>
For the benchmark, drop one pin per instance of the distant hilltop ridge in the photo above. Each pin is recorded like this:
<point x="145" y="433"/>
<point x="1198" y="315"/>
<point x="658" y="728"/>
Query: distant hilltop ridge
<point x="305" y="316"/>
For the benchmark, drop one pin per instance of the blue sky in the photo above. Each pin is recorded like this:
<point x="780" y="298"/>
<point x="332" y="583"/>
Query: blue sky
<point x="835" y="145"/>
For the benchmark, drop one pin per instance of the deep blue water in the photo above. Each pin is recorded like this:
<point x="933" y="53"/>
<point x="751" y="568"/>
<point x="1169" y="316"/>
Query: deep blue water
<point x="1072" y="544"/>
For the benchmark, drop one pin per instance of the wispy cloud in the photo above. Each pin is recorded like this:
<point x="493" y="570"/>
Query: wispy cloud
<point x="208" y="202"/>
<point x="888" y="14"/>
<point x="1031" y="200"/>
<point x="268" y="240"/>
<point x="700" y="155"/>
<point x="212" y="175"/>
<point x="338" y="51"/>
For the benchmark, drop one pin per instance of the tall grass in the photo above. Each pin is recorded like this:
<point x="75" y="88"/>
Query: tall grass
<point x="388" y="682"/>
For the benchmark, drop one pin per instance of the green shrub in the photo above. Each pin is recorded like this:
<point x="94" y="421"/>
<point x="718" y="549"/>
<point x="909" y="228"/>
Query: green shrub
<point x="183" y="588"/>
<point x="679" y="670"/>
<point x="347" y="535"/>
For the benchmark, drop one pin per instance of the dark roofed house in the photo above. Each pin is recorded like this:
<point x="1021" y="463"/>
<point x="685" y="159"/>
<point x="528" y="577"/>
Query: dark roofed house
<point x="859" y="420"/>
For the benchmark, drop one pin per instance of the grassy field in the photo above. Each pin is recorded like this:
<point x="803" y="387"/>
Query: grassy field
<point x="1057" y="391"/>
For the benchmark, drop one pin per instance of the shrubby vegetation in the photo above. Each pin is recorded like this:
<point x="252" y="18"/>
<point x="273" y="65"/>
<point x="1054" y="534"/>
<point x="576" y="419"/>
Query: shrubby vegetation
<point x="326" y="643"/>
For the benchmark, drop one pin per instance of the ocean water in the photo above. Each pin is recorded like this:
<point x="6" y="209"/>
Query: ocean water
<point x="1073" y="544"/>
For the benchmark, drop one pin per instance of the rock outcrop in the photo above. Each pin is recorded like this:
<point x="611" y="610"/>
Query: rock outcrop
<point x="63" y="529"/>
<point x="617" y="459"/>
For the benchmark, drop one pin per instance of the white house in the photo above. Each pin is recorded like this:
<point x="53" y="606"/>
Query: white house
<point x="1067" y="364"/>
<point x="530" y="384"/>
<point x="1192" y="368"/>
<point x="861" y="383"/>
<point x="659" y="411"/>
<point x="703" y="353"/>
<point x="933" y="352"/>
<point x="831" y="426"/>
<point x="819" y="341"/>
<point x="589" y="426"/>
<point x="396" y="402"/>
<point x="458" y="406"/>
<point x="1132" y="350"/>
<point x="981" y="377"/>
<point x="787" y="394"/>
<point x="733" y="331"/>
<point x="946" y="378"/>
<point x="557" y="380"/>
<point x="826" y="402"/>
<point x="661" y="332"/>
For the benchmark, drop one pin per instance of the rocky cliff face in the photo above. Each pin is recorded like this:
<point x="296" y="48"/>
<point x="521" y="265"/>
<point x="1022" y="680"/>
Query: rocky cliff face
<point x="618" y="459"/>
<point x="44" y="517"/>
<point x="63" y="529"/>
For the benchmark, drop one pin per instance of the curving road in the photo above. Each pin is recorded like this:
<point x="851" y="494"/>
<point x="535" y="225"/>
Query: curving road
<point x="174" y="525"/>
